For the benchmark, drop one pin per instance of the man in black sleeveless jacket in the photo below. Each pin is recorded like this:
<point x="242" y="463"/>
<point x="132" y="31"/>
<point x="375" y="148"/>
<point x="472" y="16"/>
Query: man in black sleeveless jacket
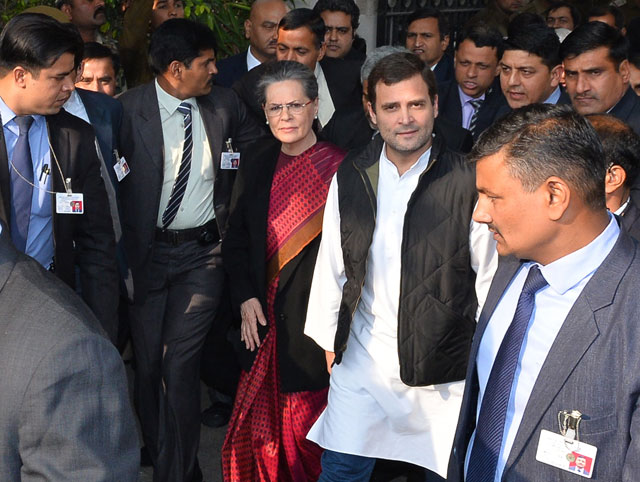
<point x="393" y="291"/>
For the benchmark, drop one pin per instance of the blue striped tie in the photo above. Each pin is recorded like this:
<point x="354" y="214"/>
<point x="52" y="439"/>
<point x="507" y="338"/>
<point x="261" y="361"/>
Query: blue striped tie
<point x="493" y="411"/>
<point x="474" y="117"/>
<point x="180" y="186"/>
<point x="21" y="184"/>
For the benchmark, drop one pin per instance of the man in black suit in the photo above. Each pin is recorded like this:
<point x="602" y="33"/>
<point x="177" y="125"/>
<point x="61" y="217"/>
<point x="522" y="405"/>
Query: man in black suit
<point x="48" y="159"/>
<point x="474" y="100"/>
<point x="176" y="135"/>
<point x="341" y="19"/>
<point x="597" y="73"/>
<point x="261" y="29"/>
<point x="531" y="68"/>
<point x="622" y="159"/>
<point x="301" y="34"/>
<point x="428" y="38"/>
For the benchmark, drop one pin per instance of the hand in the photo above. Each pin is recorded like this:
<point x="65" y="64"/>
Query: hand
<point x="251" y="312"/>
<point x="330" y="356"/>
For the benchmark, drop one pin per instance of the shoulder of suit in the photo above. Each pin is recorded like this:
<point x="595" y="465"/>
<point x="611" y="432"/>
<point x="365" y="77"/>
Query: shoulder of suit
<point x="233" y="59"/>
<point x="65" y="120"/>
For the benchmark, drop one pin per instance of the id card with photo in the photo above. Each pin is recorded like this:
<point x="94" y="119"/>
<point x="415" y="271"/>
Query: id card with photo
<point x="230" y="160"/>
<point x="69" y="203"/>
<point x="122" y="169"/>
<point x="573" y="456"/>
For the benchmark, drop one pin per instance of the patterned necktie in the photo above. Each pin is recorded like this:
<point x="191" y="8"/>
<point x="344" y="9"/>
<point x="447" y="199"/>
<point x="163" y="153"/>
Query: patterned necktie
<point x="474" y="117"/>
<point x="180" y="186"/>
<point x="493" y="411"/>
<point x="21" y="184"/>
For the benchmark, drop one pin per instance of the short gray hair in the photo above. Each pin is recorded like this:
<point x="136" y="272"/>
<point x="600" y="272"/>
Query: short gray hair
<point x="287" y="70"/>
<point x="375" y="56"/>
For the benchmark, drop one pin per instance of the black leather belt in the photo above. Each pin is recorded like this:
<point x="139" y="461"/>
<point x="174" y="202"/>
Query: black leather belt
<point x="206" y="234"/>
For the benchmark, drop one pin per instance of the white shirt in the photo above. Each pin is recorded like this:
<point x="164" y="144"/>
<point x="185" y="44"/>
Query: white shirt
<point x="567" y="277"/>
<point x="325" y="103"/>
<point x="252" y="61"/>
<point x="371" y="412"/>
<point x="196" y="207"/>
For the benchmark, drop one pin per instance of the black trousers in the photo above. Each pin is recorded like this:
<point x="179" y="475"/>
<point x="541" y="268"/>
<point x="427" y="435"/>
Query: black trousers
<point x="168" y="331"/>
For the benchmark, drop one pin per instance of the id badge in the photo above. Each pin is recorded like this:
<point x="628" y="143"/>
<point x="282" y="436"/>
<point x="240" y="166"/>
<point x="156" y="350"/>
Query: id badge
<point x="573" y="456"/>
<point x="122" y="169"/>
<point x="69" y="203"/>
<point x="230" y="160"/>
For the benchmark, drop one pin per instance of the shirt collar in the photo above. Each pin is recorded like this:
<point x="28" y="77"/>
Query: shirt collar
<point x="622" y="207"/>
<point x="8" y="115"/>
<point x="419" y="166"/>
<point x="465" y="99"/>
<point x="554" y="97"/>
<point x="170" y="103"/>
<point x="252" y="61"/>
<point x="566" y="272"/>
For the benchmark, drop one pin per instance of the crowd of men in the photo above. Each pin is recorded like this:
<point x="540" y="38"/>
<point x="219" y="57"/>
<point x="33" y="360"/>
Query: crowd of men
<point x="476" y="284"/>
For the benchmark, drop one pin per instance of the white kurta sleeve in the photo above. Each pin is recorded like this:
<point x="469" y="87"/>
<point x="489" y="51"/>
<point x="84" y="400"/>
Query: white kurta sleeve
<point x="484" y="260"/>
<point x="328" y="277"/>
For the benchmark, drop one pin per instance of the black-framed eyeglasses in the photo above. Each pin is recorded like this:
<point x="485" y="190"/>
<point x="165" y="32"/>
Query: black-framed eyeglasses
<point x="294" y="108"/>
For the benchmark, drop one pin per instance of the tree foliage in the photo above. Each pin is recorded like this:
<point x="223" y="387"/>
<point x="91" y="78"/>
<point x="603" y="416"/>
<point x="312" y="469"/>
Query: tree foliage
<point x="225" y="17"/>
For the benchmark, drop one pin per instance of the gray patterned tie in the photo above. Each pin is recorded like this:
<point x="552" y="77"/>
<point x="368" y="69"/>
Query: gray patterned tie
<point x="180" y="186"/>
<point x="474" y="117"/>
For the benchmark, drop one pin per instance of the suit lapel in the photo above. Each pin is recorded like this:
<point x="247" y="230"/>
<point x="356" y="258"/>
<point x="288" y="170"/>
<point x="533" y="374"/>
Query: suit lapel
<point x="59" y="140"/>
<point x="101" y="125"/>
<point x="149" y="126"/>
<point x="214" y="128"/>
<point x="581" y="327"/>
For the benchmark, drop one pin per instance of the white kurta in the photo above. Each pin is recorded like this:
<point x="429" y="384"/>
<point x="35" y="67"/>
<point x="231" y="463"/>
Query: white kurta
<point x="371" y="412"/>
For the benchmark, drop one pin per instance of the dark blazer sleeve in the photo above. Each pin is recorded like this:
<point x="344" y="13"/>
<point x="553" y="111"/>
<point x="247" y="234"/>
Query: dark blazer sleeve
<point x="91" y="235"/>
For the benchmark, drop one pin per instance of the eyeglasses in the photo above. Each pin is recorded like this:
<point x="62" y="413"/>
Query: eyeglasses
<point x="294" y="108"/>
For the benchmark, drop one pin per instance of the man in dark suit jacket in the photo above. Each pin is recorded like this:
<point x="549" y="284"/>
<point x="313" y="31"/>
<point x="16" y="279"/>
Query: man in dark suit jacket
<point x="177" y="196"/>
<point x="301" y="34"/>
<point x="597" y="47"/>
<point x="577" y="310"/>
<point x="428" y="38"/>
<point x="474" y="100"/>
<point x="64" y="411"/>
<point x="261" y="29"/>
<point x="60" y="156"/>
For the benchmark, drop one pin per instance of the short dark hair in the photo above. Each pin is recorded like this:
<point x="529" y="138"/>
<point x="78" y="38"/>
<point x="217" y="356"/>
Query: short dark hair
<point x="621" y="145"/>
<point x="573" y="11"/>
<point x="179" y="39"/>
<point x="345" y="6"/>
<point x="36" y="41"/>
<point x="430" y="12"/>
<point x="305" y="17"/>
<point x="94" y="50"/>
<point x="602" y="10"/>
<point x="483" y="35"/>
<point x="591" y="36"/>
<point x="538" y="40"/>
<point x="397" y="67"/>
<point x="284" y="70"/>
<point x="544" y="140"/>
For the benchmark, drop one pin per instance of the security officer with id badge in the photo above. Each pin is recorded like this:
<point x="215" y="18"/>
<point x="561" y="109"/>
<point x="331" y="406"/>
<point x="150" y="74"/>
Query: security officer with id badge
<point x="552" y="390"/>
<point x="53" y="199"/>
<point x="177" y="134"/>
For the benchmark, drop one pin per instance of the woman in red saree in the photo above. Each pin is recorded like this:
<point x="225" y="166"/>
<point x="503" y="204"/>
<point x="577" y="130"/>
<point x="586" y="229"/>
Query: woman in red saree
<point x="269" y="253"/>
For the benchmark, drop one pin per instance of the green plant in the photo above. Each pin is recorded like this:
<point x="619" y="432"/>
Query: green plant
<point x="225" y="17"/>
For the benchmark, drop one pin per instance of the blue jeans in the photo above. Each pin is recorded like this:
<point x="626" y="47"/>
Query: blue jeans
<point x="339" y="467"/>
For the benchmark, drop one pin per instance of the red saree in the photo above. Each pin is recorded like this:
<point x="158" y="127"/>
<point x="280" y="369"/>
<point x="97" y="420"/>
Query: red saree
<point x="266" y="438"/>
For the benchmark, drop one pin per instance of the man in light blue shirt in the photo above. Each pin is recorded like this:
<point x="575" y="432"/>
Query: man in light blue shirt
<point x="560" y="320"/>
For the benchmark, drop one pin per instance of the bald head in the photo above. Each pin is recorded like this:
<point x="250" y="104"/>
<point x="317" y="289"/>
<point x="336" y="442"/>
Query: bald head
<point x="261" y="29"/>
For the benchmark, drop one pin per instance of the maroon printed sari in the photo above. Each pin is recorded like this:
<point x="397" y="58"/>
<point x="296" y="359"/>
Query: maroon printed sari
<point x="266" y="438"/>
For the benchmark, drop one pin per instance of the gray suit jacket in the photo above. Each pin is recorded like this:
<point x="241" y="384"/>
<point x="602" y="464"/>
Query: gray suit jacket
<point x="593" y="367"/>
<point x="64" y="406"/>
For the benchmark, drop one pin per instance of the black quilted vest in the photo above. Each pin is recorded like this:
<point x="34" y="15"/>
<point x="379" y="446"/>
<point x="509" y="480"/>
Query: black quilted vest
<point x="437" y="296"/>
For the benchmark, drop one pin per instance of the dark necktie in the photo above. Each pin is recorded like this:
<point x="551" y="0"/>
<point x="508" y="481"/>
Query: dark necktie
<point x="493" y="411"/>
<point x="21" y="184"/>
<point x="474" y="117"/>
<point x="180" y="186"/>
